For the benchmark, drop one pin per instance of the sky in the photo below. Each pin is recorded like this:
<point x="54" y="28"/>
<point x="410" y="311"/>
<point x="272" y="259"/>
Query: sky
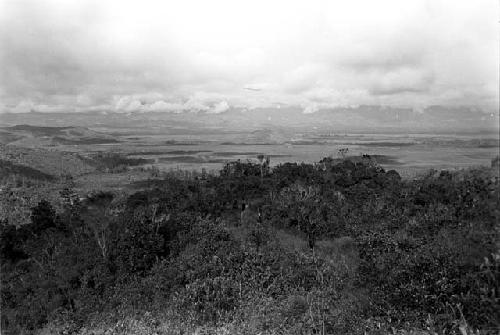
<point x="175" y="56"/>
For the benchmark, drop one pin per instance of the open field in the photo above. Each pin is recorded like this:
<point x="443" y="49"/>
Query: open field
<point x="207" y="148"/>
<point x="116" y="157"/>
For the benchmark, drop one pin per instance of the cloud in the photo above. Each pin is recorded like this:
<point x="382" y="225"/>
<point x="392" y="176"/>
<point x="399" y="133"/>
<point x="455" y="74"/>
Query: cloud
<point x="303" y="77"/>
<point x="24" y="106"/>
<point x="220" y="107"/>
<point x="312" y="108"/>
<point x="198" y="102"/>
<point x="402" y="80"/>
<point x="146" y="56"/>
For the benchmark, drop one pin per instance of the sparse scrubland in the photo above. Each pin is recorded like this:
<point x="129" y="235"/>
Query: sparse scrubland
<point x="337" y="247"/>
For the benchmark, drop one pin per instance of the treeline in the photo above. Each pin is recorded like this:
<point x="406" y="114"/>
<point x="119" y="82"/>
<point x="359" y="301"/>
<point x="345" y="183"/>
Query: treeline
<point x="382" y="254"/>
<point x="115" y="162"/>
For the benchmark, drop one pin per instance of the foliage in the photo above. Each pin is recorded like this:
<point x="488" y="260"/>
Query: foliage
<point x="115" y="162"/>
<point x="387" y="253"/>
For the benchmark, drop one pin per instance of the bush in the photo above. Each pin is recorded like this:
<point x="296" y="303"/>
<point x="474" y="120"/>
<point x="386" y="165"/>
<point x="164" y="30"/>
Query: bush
<point x="137" y="246"/>
<point x="209" y="299"/>
<point x="259" y="236"/>
<point x="428" y="253"/>
<point x="435" y="274"/>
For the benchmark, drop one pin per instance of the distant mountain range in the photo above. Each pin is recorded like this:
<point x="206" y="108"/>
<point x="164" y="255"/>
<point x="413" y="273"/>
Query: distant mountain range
<point x="362" y="118"/>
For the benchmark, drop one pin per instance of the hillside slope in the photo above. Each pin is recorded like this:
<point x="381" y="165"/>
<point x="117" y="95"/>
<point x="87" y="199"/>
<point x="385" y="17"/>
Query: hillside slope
<point x="53" y="163"/>
<point x="35" y="136"/>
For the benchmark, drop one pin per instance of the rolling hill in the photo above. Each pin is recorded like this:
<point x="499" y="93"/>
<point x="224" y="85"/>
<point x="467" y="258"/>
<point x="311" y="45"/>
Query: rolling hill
<point x="46" y="162"/>
<point x="35" y="136"/>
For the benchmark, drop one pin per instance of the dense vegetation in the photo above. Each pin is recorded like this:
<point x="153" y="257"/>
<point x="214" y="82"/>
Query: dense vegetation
<point x="115" y="162"/>
<point x="336" y="247"/>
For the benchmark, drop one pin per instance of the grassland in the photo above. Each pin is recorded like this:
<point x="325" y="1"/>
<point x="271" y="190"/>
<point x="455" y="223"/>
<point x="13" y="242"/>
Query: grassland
<point x="72" y="150"/>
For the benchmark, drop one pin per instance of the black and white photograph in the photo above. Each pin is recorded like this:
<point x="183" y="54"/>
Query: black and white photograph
<point x="263" y="167"/>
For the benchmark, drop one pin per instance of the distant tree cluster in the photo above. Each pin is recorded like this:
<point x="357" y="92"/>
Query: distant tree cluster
<point x="115" y="162"/>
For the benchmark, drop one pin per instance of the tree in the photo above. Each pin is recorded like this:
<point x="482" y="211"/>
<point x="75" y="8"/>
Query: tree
<point x="264" y="161"/>
<point x="71" y="203"/>
<point x="43" y="217"/>
<point x="137" y="244"/>
<point x="97" y="216"/>
<point x="342" y="153"/>
<point x="307" y="209"/>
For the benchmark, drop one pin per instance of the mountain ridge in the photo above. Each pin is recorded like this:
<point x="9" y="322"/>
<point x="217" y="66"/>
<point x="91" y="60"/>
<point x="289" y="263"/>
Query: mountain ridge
<point x="365" y="117"/>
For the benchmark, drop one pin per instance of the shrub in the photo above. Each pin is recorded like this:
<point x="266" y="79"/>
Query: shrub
<point x="428" y="253"/>
<point x="137" y="246"/>
<point x="259" y="235"/>
<point x="209" y="299"/>
<point x="433" y="275"/>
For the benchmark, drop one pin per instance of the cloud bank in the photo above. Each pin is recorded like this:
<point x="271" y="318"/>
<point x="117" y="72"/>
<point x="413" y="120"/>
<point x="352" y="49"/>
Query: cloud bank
<point x="144" y="56"/>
